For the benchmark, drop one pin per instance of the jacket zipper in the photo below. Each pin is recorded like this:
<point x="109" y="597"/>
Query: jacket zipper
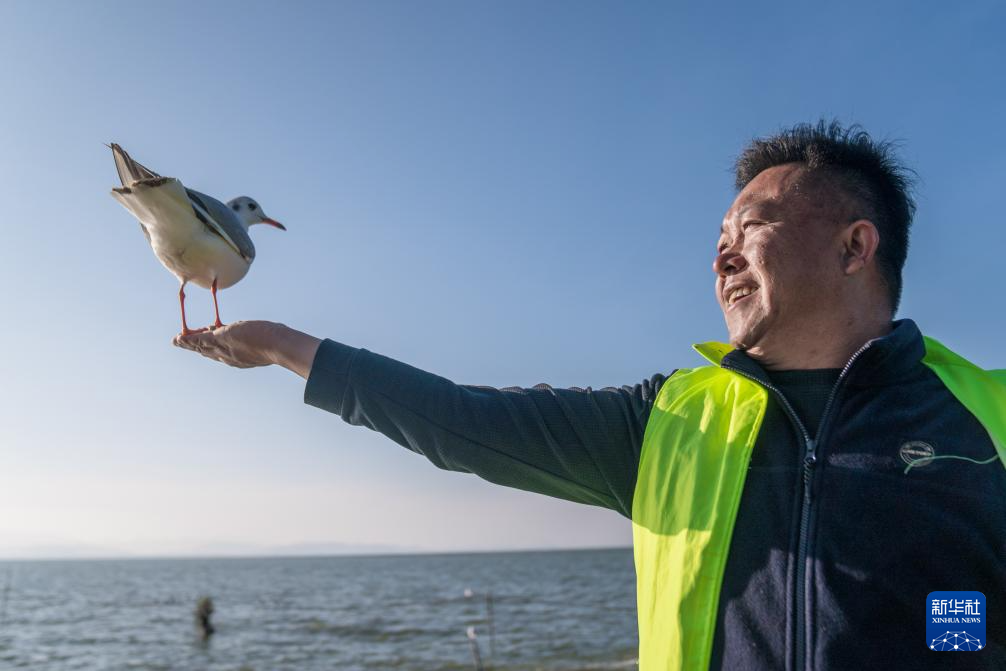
<point x="809" y="460"/>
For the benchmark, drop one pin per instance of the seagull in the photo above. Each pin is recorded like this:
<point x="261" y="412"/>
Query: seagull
<point x="197" y="237"/>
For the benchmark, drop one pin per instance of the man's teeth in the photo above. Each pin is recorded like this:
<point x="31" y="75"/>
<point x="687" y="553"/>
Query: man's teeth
<point x="736" y="294"/>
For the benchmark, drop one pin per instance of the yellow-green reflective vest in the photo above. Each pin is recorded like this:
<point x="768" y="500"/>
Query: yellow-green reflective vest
<point x="696" y="448"/>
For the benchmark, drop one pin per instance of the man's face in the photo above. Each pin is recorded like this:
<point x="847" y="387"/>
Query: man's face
<point x="778" y="258"/>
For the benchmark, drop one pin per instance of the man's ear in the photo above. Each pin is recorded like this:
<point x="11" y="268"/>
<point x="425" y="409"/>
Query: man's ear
<point x="859" y="245"/>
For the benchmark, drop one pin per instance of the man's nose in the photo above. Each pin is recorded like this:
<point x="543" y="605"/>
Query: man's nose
<point x="728" y="263"/>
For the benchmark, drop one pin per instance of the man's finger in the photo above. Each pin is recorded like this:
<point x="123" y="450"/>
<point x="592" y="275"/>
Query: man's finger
<point x="187" y="343"/>
<point x="200" y="341"/>
<point x="211" y="351"/>
<point x="184" y="343"/>
<point x="188" y="340"/>
<point x="205" y="347"/>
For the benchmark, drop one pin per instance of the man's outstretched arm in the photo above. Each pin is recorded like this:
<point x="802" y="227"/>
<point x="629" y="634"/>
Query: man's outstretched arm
<point x="577" y="444"/>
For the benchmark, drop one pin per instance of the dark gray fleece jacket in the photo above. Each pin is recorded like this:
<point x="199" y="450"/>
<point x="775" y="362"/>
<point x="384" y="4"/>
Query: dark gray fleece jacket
<point x="833" y="552"/>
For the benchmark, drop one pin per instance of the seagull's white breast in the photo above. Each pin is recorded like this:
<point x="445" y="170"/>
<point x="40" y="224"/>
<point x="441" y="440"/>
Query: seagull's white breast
<point x="185" y="245"/>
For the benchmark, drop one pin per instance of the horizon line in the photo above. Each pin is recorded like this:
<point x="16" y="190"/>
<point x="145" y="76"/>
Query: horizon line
<point x="320" y="555"/>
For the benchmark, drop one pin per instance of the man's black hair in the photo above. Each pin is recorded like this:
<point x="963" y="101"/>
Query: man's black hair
<point x="867" y="170"/>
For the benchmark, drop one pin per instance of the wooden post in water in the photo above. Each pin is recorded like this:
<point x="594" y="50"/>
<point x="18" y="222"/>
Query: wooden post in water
<point x="469" y="593"/>
<point x="473" y="640"/>
<point x="492" y="629"/>
<point x="204" y="611"/>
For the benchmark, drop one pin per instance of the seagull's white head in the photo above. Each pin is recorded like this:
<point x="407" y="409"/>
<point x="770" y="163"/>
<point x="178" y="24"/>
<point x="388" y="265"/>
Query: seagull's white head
<point x="250" y="212"/>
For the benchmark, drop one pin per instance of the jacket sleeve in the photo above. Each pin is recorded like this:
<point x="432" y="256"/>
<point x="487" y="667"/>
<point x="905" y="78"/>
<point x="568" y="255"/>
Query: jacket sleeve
<point x="576" y="444"/>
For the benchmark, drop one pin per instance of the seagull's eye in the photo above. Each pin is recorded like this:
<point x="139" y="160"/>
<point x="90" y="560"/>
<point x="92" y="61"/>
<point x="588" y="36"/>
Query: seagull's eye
<point x="236" y="207"/>
<point x="252" y="206"/>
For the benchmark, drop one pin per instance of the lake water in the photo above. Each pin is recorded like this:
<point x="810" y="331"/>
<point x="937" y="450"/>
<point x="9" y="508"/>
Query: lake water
<point x="551" y="610"/>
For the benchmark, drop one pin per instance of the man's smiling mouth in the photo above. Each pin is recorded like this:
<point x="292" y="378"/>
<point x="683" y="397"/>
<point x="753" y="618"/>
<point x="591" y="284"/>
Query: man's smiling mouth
<point x="735" y="295"/>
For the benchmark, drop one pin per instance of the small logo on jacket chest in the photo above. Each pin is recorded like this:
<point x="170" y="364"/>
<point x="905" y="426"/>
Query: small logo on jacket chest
<point x="917" y="453"/>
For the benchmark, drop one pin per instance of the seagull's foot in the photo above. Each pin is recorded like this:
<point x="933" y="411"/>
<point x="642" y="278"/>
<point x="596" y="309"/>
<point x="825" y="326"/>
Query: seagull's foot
<point x="217" y="324"/>
<point x="187" y="331"/>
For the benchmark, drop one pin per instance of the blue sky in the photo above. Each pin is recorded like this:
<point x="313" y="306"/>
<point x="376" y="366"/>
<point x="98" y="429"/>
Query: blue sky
<point x="502" y="193"/>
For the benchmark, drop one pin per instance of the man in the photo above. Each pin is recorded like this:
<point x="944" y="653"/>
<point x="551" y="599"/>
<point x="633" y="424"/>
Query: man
<point x="793" y="504"/>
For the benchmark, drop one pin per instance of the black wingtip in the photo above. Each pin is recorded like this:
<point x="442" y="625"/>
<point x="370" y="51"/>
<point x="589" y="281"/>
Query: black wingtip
<point x="129" y="170"/>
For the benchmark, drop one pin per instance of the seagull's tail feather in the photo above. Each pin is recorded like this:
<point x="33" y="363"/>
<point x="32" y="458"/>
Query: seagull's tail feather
<point x="129" y="170"/>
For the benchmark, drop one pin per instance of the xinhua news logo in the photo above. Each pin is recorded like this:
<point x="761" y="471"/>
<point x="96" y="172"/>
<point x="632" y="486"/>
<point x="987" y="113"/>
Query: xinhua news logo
<point x="955" y="621"/>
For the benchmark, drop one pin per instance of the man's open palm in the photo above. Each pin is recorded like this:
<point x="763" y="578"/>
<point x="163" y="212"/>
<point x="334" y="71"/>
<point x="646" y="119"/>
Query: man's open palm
<point x="244" y="344"/>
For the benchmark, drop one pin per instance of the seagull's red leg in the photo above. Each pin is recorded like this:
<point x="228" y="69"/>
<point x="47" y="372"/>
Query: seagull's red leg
<point x="216" y="310"/>
<point x="181" y="301"/>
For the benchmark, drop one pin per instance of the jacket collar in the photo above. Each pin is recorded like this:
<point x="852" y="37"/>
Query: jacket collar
<point x="886" y="358"/>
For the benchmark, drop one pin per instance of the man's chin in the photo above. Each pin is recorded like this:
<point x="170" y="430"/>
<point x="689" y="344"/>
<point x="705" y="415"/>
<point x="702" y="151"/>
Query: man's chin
<point x="749" y="332"/>
<point x="743" y="340"/>
<point x="735" y="337"/>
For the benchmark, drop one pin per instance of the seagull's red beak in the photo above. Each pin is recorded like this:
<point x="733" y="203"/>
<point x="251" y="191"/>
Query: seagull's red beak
<point x="273" y="222"/>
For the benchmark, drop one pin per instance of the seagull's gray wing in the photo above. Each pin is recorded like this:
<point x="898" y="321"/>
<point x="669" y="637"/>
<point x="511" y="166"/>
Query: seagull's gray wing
<point x="215" y="215"/>
<point x="223" y="221"/>
<point x="129" y="170"/>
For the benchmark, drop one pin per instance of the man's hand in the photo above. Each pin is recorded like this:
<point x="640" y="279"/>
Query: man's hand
<point x="255" y="343"/>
